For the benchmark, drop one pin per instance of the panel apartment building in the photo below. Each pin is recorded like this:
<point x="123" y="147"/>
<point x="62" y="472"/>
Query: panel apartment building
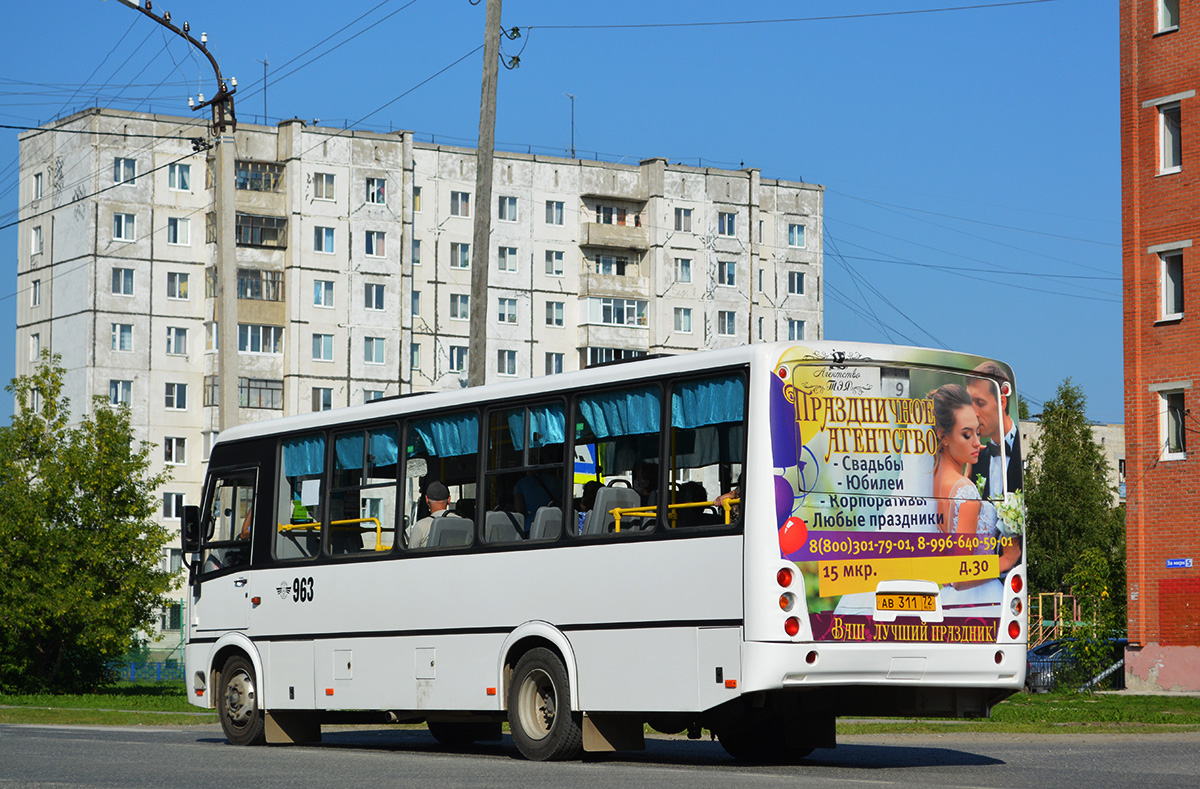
<point x="1160" y="216"/>
<point x="354" y="262"/>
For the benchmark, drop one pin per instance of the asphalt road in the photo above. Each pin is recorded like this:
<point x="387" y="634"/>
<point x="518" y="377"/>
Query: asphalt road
<point x="103" y="756"/>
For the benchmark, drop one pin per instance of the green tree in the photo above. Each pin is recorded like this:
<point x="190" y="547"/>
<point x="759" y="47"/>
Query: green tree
<point x="1069" y="502"/>
<point x="80" y="551"/>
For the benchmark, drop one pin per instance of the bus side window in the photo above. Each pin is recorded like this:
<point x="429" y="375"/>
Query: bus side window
<point x="442" y="449"/>
<point x="228" y="527"/>
<point x="298" y="508"/>
<point x="523" y="480"/>
<point x="707" y="441"/>
<point x="362" y="503"/>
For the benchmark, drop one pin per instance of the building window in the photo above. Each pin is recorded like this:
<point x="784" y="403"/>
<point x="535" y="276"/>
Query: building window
<point x="120" y="392"/>
<point x="173" y="505"/>
<point x="322" y="398"/>
<point x="795" y="330"/>
<point x="124" y="170"/>
<point x="260" y="285"/>
<point x="35" y="241"/>
<point x="260" y="339"/>
<point x="415" y="303"/>
<point x="725" y="223"/>
<point x="1170" y="139"/>
<point x="760" y="281"/>
<point x="1174" y="431"/>
<point x="174" y="450"/>
<point x="177" y="340"/>
<point x="683" y="270"/>
<point x="375" y="243"/>
<point x="460" y="255"/>
<point x="1168" y="15"/>
<point x="372" y="394"/>
<point x="617" y="312"/>
<point x="554" y="363"/>
<point x="683" y="220"/>
<point x="178" y="231"/>
<point x="122" y="336"/>
<point x="416" y="201"/>
<point x="260" y="393"/>
<point x="35" y="293"/>
<point x="460" y="204"/>
<point x="727" y="273"/>
<point x="610" y="215"/>
<point x="554" y="263"/>
<point x="373" y="350"/>
<point x="554" y="212"/>
<point x="35" y="347"/>
<point x="122" y="281"/>
<point x="506" y="260"/>
<point x="554" y="313"/>
<point x="323" y="186"/>
<point x="373" y="296"/>
<point x="796" y="236"/>
<point x="377" y="191"/>
<point x="177" y="285"/>
<point x="760" y="329"/>
<point x="507" y="209"/>
<point x="322" y="347"/>
<point x="506" y="362"/>
<point x="605" y="355"/>
<point x="179" y="177"/>
<point x="176" y="397"/>
<point x="460" y="307"/>
<point x="323" y="240"/>
<point x="414" y="356"/>
<point x="1172" y="285"/>
<point x="796" y="283"/>
<point x="260" y="231"/>
<point x="124" y="227"/>
<point x="683" y="320"/>
<point x="323" y="293"/>
<point x="458" y="358"/>
<point x="506" y="310"/>
<point x="38" y="186"/>
<point x="416" y="252"/>
<point x="611" y="265"/>
<point x="725" y="323"/>
<point x="259" y="176"/>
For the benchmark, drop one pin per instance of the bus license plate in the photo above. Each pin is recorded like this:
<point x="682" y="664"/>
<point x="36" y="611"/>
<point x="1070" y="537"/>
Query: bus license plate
<point x="905" y="602"/>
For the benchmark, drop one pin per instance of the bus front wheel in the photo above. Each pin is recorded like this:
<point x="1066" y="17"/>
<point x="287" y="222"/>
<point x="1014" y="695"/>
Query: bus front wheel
<point x="543" y="725"/>
<point x="237" y="703"/>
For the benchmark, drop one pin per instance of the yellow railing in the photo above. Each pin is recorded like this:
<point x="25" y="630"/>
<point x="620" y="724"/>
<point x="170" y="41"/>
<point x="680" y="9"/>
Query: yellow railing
<point x="342" y="525"/>
<point x="651" y="510"/>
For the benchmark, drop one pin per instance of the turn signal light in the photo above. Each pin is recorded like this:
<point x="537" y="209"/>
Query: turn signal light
<point x="784" y="577"/>
<point x="1017" y="583"/>
<point x="1015" y="606"/>
<point x="1014" y="629"/>
<point x="791" y="626"/>
<point x="787" y="601"/>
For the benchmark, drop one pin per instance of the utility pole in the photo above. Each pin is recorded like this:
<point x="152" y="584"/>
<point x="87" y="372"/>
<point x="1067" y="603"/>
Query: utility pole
<point x="224" y="124"/>
<point x="481" y="241"/>
<point x="571" y="96"/>
<point x="265" y="63"/>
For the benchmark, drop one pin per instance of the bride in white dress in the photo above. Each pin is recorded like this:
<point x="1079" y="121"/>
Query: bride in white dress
<point x="963" y="511"/>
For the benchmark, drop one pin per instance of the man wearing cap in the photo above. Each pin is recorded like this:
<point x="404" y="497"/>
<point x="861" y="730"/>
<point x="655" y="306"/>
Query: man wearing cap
<point x="437" y="496"/>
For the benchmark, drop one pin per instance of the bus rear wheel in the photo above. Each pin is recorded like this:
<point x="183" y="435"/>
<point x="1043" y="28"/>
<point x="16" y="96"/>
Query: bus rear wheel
<point x="237" y="703"/>
<point x="761" y="740"/>
<point x="543" y="725"/>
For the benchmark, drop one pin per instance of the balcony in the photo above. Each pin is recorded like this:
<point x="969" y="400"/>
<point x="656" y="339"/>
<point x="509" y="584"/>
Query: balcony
<point x="627" y="236"/>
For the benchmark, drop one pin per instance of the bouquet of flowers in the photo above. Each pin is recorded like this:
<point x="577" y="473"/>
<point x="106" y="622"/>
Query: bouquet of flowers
<point x="1012" y="513"/>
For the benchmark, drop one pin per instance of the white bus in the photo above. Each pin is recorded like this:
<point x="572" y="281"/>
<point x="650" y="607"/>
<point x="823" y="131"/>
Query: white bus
<point x="752" y="541"/>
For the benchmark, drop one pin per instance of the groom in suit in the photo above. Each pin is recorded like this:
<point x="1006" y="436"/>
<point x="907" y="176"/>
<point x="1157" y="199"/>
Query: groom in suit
<point x="997" y="425"/>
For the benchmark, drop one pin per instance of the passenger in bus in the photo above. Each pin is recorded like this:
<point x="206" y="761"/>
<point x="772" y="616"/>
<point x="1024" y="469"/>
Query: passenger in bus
<point x="959" y="504"/>
<point x="692" y="493"/>
<point x="534" y="491"/>
<point x="645" y="482"/>
<point x="734" y="496"/>
<point x="437" y="497"/>
<point x="587" y="502"/>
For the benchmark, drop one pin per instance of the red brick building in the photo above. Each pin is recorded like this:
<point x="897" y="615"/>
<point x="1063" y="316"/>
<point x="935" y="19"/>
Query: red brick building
<point x="1160" y="180"/>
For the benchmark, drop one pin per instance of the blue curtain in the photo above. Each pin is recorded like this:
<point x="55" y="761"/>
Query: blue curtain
<point x="450" y="435"/>
<point x="546" y="426"/>
<point x="710" y="402"/>
<point x="348" y="450"/>
<point x="305" y="456"/>
<point x="385" y="447"/>
<point x="622" y="413"/>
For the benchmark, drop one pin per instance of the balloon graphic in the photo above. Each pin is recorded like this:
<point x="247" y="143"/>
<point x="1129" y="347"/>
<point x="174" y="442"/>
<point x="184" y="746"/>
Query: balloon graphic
<point x="792" y="535"/>
<point x="785" y="499"/>
<point x="785" y="444"/>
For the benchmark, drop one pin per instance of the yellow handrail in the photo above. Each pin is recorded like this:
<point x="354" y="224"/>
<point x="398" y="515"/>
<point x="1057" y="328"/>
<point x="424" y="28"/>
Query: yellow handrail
<point x="651" y="510"/>
<point x="344" y="526"/>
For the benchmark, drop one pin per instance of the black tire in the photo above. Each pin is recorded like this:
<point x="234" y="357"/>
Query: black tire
<point x="238" y="703"/>
<point x="543" y="725"/>
<point x="456" y="734"/>
<point x="760" y="740"/>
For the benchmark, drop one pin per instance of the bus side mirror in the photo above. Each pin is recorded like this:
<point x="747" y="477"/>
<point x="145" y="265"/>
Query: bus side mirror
<point x="190" y="531"/>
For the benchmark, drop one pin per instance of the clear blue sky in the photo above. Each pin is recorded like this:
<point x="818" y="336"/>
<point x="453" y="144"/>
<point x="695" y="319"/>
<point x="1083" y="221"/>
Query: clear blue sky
<point x="971" y="157"/>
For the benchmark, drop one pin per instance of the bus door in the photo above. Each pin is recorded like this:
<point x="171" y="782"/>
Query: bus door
<point x="222" y="598"/>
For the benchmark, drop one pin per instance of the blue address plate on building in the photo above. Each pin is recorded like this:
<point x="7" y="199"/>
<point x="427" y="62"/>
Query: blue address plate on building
<point x="1174" y="564"/>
